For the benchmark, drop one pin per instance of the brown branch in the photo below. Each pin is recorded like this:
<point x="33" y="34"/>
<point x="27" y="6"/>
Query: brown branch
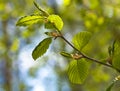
<point x="85" y="56"/>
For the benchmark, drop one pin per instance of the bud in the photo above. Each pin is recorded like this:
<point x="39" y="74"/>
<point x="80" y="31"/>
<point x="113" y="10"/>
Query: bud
<point x="53" y="34"/>
<point x="76" y="56"/>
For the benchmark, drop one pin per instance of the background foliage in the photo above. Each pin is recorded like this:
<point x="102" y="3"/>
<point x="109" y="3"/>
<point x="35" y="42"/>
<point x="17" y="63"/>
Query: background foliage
<point x="100" y="17"/>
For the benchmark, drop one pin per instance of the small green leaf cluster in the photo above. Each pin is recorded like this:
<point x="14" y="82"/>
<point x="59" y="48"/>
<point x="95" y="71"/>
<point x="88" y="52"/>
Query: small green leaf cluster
<point x="78" y="68"/>
<point x="79" y="65"/>
<point x="50" y="22"/>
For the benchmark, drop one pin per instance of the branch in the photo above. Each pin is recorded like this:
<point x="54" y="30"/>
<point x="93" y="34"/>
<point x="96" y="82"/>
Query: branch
<point x="85" y="56"/>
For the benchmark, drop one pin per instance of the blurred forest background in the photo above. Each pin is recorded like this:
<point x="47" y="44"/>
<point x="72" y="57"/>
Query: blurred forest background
<point x="19" y="72"/>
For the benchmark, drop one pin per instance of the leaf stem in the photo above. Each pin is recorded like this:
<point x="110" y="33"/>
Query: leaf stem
<point x="43" y="11"/>
<point x="85" y="56"/>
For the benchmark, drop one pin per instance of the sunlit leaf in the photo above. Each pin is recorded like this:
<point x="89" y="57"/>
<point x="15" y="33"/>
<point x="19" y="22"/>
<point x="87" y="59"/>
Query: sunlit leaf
<point x="66" y="2"/>
<point x="41" y="48"/>
<point x="78" y="71"/>
<point x="81" y="39"/>
<point x="29" y="20"/>
<point x="56" y="21"/>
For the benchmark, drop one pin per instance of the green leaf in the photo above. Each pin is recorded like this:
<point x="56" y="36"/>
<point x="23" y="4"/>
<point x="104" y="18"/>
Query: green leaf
<point x="49" y="25"/>
<point x="56" y="21"/>
<point x="41" y="48"/>
<point x="81" y="39"/>
<point x="29" y="20"/>
<point x="65" y="54"/>
<point x="78" y="71"/>
<point x="116" y="55"/>
<point x="109" y="88"/>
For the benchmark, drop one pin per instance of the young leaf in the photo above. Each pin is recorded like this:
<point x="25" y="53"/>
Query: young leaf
<point x="78" y="71"/>
<point x="56" y="21"/>
<point x="29" y="20"/>
<point x="81" y="39"/>
<point x="41" y="48"/>
<point x="116" y="55"/>
<point x="65" y="54"/>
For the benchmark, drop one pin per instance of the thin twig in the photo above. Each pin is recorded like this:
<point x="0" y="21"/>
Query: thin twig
<point x="85" y="56"/>
<point x="97" y="61"/>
